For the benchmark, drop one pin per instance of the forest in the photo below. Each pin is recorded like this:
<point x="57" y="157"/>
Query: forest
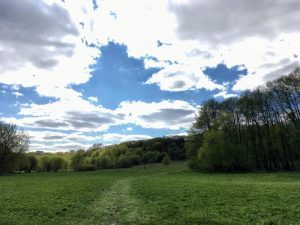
<point x="14" y="155"/>
<point x="259" y="130"/>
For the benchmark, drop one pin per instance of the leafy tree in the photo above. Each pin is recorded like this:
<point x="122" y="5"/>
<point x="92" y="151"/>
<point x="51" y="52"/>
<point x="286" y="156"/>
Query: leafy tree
<point x="258" y="130"/>
<point x="22" y="163"/>
<point x="33" y="163"/>
<point x="13" y="142"/>
<point x="57" y="163"/>
<point x="44" y="164"/>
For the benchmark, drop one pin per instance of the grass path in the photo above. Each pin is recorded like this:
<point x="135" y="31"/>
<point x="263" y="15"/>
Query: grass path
<point x="158" y="195"/>
<point x="118" y="206"/>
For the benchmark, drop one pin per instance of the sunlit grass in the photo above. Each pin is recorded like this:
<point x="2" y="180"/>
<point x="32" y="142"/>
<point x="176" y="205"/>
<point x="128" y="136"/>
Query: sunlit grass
<point x="154" y="195"/>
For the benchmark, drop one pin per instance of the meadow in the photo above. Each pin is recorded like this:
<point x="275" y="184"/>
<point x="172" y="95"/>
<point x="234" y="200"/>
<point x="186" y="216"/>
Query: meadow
<point x="157" y="195"/>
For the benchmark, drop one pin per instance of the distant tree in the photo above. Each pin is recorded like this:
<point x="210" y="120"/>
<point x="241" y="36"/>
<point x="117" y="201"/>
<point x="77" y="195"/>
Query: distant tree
<point x="45" y="164"/>
<point x="104" y="162"/>
<point x="150" y="157"/>
<point x="13" y="142"/>
<point x="81" y="161"/>
<point x="22" y="163"/>
<point x="124" y="162"/>
<point x="166" y="160"/>
<point x="57" y="163"/>
<point x="33" y="162"/>
<point x="96" y="146"/>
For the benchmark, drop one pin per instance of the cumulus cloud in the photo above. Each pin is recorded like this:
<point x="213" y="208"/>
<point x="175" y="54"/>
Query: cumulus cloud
<point x="181" y="78"/>
<point x="17" y="94"/>
<point x="163" y="115"/>
<point x="224" y="95"/>
<point x="52" y="136"/>
<point x="260" y="35"/>
<point x="66" y="116"/>
<point x="93" y="99"/>
<point x="224" y="22"/>
<point x="41" y="46"/>
<point x="59" y="147"/>
<point x="115" y="137"/>
<point x="34" y="32"/>
<point x="203" y="34"/>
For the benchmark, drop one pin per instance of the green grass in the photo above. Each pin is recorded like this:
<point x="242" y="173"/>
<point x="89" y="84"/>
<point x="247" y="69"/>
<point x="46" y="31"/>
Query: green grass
<point x="158" y="195"/>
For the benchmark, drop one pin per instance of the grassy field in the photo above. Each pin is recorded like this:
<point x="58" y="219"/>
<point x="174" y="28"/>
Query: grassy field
<point x="157" y="195"/>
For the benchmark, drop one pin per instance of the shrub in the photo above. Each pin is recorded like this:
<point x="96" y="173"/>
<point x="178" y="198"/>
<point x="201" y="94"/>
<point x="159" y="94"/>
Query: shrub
<point x="44" y="164"/>
<point x="166" y="160"/>
<point x="57" y="163"/>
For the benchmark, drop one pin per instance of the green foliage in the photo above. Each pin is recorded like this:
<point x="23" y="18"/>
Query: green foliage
<point x="26" y="163"/>
<point x="195" y="141"/>
<point x="22" y="163"/>
<point x="258" y="131"/>
<point x="33" y="163"/>
<point x="13" y="143"/>
<point x="81" y="161"/>
<point x="166" y="160"/>
<point x="44" y="164"/>
<point x="58" y="163"/>
<point x="50" y="162"/>
<point x="128" y="154"/>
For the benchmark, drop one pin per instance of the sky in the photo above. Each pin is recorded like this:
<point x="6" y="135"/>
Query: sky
<point x="75" y="73"/>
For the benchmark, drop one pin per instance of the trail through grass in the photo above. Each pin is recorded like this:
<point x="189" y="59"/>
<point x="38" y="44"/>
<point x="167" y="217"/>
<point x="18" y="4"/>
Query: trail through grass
<point x="158" y="195"/>
<point x="118" y="206"/>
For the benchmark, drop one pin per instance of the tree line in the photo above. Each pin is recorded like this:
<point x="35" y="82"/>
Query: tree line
<point x="259" y="130"/>
<point x="15" y="158"/>
<point x="14" y="155"/>
<point x="128" y="154"/>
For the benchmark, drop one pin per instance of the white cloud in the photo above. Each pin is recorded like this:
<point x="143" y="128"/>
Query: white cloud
<point x="117" y="138"/>
<point x="161" y="115"/>
<point x="252" y="34"/>
<point x="17" y="94"/>
<point x="60" y="147"/>
<point x="224" y="95"/>
<point x="181" y="78"/>
<point x="93" y="99"/>
<point x="65" y="116"/>
<point x="178" y="134"/>
<point x="68" y="115"/>
<point x="52" y="136"/>
<point x="260" y="35"/>
<point x="49" y="55"/>
<point x="220" y="22"/>
<point x="129" y="128"/>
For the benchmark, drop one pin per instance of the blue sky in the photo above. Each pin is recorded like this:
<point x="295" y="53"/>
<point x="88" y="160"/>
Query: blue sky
<point x="100" y="72"/>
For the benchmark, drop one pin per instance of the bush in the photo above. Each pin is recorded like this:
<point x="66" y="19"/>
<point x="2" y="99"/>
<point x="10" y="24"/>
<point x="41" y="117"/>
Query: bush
<point x="166" y="160"/>
<point x="33" y="163"/>
<point x="57" y="163"/>
<point x="80" y="161"/>
<point x="150" y="157"/>
<point x="85" y="167"/>
<point x="102" y="162"/>
<point x="26" y="162"/>
<point x="22" y="163"/>
<point x="44" y="164"/>
<point x="124" y="162"/>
